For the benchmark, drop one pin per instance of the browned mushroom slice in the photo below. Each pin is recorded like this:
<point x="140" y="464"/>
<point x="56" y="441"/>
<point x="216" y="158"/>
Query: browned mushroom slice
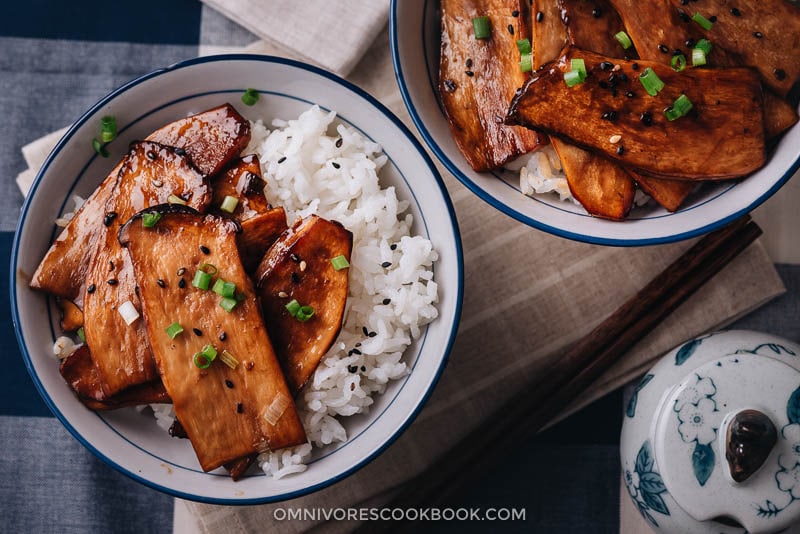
<point x="211" y="139"/>
<point x="150" y="175"/>
<point x="548" y="31"/>
<point x="71" y="315"/>
<point x="668" y="193"/>
<point x="298" y="269"/>
<point x="722" y="137"/>
<point x="258" y="234"/>
<point x="478" y="77"/>
<point x="229" y="410"/>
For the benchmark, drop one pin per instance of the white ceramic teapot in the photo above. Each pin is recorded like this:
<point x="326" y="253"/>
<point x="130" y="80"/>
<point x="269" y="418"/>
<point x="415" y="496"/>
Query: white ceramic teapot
<point x="711" y="437"/>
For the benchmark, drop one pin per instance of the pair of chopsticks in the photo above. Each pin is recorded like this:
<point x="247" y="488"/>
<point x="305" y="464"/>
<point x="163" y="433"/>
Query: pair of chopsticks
<point x="520" y="419"/>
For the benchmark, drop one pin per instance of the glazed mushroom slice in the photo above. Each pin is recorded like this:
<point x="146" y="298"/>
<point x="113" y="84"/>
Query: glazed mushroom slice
<point x="300" y="270"/>
<point x="71" y="315"/>
<point x="213" y="352"/>
<point x="239" y="192"/>
<point x="478" y="77"/>
<point x="721" y="136"/>
<point x="211" y="139"/>
<point x="150" y="175"/>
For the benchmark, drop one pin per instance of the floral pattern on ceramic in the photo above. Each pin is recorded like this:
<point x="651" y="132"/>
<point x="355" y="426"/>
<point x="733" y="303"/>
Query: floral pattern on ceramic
<point x="645" y="485"/>
<point x="631" y="409"/>
<point x="695" y="407"/>
<point x="788" y="476"/>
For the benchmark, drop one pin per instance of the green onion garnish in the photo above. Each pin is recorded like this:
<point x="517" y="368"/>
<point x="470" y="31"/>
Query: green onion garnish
<point x="702" y="21"/>
<point x="250" y="96"/>
<point x="524" y="47"/>
<point x="526" y="63"/>
<point x="223" y="288"/>
<point x="99" y="148"/>
<point x="201" y="280"/>
<point x="577" y="72"/>
<point x="82" y="334"/>
<point x="698" y="57"/>
<point x="173" y="330"/>
<point x="149" y="220"/>
<point x="572" y="78"/>
<point x="340" y="262"/>
<point x="229" y="204"/>
<point x="679" y="108"/>
<point x="678" y="62"/>
<point x="704" y="45"/>
<point x="175" y="199"/>
<point x="228" y="303"/>
<point x="651" y="82"/>
<point x="228" y="359"/>
<point x="624" y="40"/>
<point x="304" y="313"/>
<point x="209" y="352"/>
<point x="108" y="129"/>
<point x="482" y="27"/>
<point x="204" y="358"/>
<point x="579" y="65"/>
<point x="209" y="268"/>
<point x="293" y="307"/>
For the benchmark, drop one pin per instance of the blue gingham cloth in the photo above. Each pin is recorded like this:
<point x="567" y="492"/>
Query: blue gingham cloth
<point x="59" y="58"/>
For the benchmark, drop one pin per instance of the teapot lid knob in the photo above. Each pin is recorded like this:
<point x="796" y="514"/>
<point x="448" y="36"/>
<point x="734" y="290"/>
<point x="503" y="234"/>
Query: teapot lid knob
<point x="749" y="439"/>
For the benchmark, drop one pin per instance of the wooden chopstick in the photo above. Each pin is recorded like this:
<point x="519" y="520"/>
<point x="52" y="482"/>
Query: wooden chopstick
<point x="521" y="418"/>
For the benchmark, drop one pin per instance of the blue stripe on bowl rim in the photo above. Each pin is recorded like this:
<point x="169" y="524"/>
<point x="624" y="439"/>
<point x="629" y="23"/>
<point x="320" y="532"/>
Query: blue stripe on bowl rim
<point x="358" y="92"/>
<point x="451" y="166"/>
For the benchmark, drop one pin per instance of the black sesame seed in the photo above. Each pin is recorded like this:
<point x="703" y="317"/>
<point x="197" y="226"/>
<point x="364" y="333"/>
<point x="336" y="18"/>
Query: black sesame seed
<point x="363" y="369"/>
<point x="712" y="18"/>
<point x="229" y="384"/>
<point x="609" y="116"/>
<point x="614" y="92"/>
<point x="372" y="334"/>
<point x="683" y="16"/>
<point x="663" y="49"/>
<point x="684" y="2"/>
<point x="677" y="52"/>
<point x="511" y="29"/>
<point x="112" y="282"/>
<point x="780" y="74"/>
<point x="282" y="159"/>
<point x="515" y="13"/>
<point x="606" y="65"/>
<point x="364" y="329"/>
<point x="449" y="86"/>
<point x="386" y="264"/>
<point x="758" y="35"/>
<point x="387" y="301"/>
<point x="151" y="155"/>
<point x="393" y="246"/>
<point x="204" y="249"/>
<point x="620" y="150"/>
<point x="197" y="332"/>
<point x="110" y="265"/>
<point x="109" y="218"/>
<point x="91" y="288"/>
<point x="630" y="94"/>
<point x="646" y="118"/>
<point x="181" y="283"/>
<point x="597" y="12"/>
<point x="295" y="278"/>
<point x="161" y="283"/>
<point x="339" y="142"/>
<point x="469" y="73"/>
<point x="689" y="43"/>
<point x="735" y="12"/>
<point x="635" y="66"/>
<point x="181" y="271"/>
<point x="356" y="351"/>
<point x="469" y="63"/>
<point x="239" y="407"/>
<point x="223" y="336"/>
<point x="335" y="165"/>
<point x="622" y="77"/>
<point x="539" y="16"/>
<point x="294" y="257"/>
<point x="603" y="84"/>
<point x="179" y="151"/>
<point x="352" y="368"/>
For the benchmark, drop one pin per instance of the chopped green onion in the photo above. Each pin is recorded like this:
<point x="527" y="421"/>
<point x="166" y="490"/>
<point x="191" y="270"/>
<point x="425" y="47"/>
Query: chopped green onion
<point x="698" y="57"/>
<point x="678" y="62"/>
<point x="228" y="359"/>
<point x="99" y="148"/>
<point x="579" y="65"/>
<point x="149" y="220"/>
<point x="293" y="307"/>
<point x="679" y="108"/>
<point x="304" y="313"/>
<point x="524" y="47"/>
<point x="572" y="78"/>
<point x="201" y="280"/>
<point x="526" y="63"/>
<point x="702" y="21"/>
<point x="340" y="262"/>
<point x="173" y="330"/>
<point x="108" y="129"/>
<point x="482" y="27"/>
<point x="82" y="334"/>
<point x="651" y="82"/>
<point x="204" y="358"/>
<point x="223" y="288"/>
<point x="704" y="45"/>
<point x="209" y="352"/>
<point x="229" y="204"/>
<point x="250" y="96"/>
<point x="624" y="40"/>
<point x="175" y="199"/>
<point x="228" y="303"/>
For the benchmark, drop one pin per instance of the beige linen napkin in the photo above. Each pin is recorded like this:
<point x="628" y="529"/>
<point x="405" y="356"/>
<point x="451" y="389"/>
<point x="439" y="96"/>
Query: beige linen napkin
<point x="333" y="34"/>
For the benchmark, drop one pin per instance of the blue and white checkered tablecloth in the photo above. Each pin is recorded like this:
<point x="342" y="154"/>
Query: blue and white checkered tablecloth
<point x="59" y="58"/>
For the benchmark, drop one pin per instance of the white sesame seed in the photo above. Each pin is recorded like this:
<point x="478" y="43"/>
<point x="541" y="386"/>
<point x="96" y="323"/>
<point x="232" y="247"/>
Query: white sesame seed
<point x="614" y="139"/>
<point x="283" y="294"/>
<point x="303" y="265"/>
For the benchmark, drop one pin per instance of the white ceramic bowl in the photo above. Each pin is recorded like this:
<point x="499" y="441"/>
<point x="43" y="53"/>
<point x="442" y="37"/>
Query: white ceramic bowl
<point x="415" y="33"/>
<point x="131" y="442"/>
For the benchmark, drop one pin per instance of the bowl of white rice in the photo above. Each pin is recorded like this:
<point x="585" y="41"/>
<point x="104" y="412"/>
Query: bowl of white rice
<point x="533" y="189"/>
<point x="385" y="190"/>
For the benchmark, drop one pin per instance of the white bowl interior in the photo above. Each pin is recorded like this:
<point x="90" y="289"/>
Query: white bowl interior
<point x="415" y="29"/>
<point x="132" y="442"/>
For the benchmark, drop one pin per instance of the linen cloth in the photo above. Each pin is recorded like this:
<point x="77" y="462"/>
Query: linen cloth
<point x="558" y="289"/>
